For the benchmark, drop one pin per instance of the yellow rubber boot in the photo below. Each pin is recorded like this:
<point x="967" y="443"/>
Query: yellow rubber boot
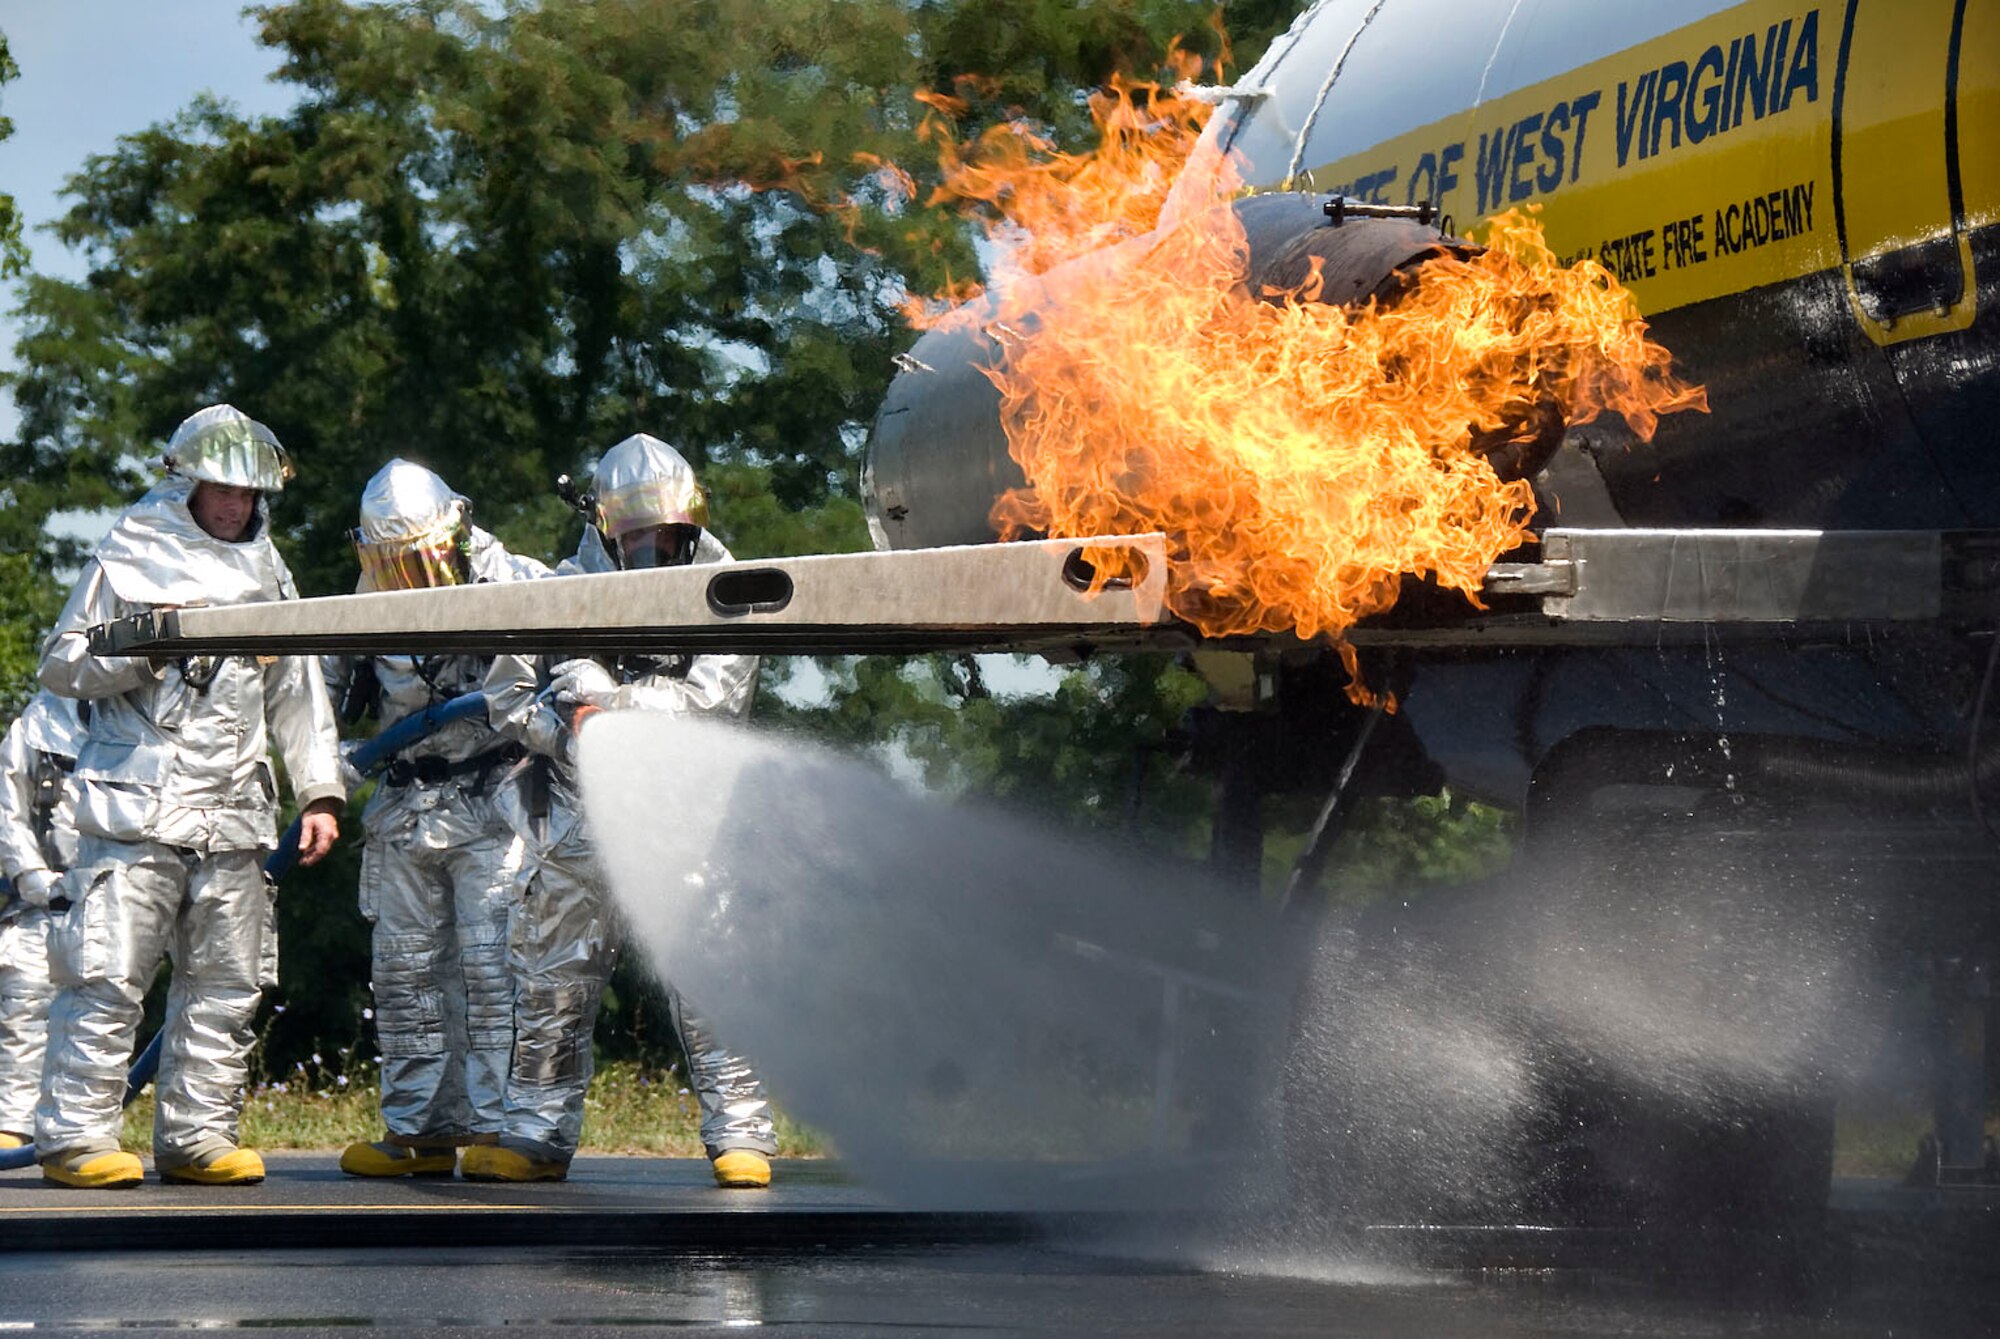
<point x="387" y="1159"/>
<point x="8" y="1139"/>
<point x="491" y="1162"/>
<point x="742" y="1169"/>
<point x="236" y="1167"/>
<point x="95" y="1171"/>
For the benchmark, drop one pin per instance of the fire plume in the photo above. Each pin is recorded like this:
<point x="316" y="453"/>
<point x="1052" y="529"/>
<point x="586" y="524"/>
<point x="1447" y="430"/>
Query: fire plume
<point x="1044" y="207"/>
<point x="1302" y="457"/>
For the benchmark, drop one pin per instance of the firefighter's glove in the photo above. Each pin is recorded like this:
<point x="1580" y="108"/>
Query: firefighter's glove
<point x="350" y="775"/>
<point x="582" y="683"/>
<point x="36" y="887"/>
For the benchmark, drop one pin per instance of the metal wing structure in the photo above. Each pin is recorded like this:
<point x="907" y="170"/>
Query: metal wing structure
<point x="1590" y="588"/>
<point x="1019" y="597"/>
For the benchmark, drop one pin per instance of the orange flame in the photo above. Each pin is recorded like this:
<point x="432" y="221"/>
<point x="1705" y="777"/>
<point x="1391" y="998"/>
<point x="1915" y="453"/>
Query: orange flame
<point x="1045" y="207"/>
<point x="1301" y="457"/>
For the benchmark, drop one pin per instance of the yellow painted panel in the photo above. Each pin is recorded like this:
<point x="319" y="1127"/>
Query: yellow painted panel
<point x="1979" y="112"/>
<point x="1892" y="126"/>
<point x="1699" y="164"/>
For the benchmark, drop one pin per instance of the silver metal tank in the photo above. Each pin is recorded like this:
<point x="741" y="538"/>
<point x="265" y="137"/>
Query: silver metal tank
<point x="1803" y="198"/>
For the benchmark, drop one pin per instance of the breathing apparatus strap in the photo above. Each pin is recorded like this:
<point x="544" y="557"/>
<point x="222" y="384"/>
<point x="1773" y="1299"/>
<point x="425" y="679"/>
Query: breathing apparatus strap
<point x="50" y="769"/>
<point x="535" y="785"/>
<point x="363" y="692"/>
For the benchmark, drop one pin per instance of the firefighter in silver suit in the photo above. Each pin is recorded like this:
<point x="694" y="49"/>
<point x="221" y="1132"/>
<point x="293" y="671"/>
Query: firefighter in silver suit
<point x="37" y="843"/>
<point x="439" y="865"/>
<point x="176" y="807"/>
<point x="647" y="511"/>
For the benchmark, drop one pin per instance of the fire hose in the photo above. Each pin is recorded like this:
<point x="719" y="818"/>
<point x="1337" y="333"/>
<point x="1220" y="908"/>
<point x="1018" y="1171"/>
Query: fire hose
<point x="367" y="757"/>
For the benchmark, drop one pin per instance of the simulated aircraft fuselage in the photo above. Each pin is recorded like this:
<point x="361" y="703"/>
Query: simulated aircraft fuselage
<point x="1804" y="199"/>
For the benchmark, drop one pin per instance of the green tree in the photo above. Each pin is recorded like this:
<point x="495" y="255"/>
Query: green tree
<point x="1397" y="846"/>
<point x="13" y="251"/>
<point x="1097" y="751"/>
<point x="29" y="598"/>
<point x="497" y="238"/>
<point x="29" y="602"/>
<point x="500" y="241"/>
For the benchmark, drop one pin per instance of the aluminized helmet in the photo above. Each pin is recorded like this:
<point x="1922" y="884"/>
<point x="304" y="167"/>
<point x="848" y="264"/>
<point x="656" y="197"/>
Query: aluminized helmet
<point x="647" y="504"/>
<point x="223" y="445"/>
<point x="412" y="531"/>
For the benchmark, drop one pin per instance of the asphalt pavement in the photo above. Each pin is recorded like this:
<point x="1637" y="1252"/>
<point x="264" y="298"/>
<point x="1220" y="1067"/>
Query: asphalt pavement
<point x="306" y="1202"/>
<point x="637" y="1244"/>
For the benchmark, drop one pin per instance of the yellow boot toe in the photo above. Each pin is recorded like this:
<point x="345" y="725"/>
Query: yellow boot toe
<point x="236" y="1167"/>
<point x="742" y="1169"/>
<point x="491" y="1162"/>
<point x="95" y="1171"/>
<point x="388" y="1159"/>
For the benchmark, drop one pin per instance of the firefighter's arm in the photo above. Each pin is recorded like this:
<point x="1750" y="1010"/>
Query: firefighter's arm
<point x="68" y="668"/>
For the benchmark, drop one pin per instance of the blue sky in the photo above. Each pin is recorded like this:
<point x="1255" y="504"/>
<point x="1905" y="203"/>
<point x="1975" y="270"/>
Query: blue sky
<point x="92" y="70"/>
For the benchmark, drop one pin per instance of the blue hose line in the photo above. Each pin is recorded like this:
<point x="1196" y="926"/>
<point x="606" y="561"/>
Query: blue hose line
<point x="368" y="757"/>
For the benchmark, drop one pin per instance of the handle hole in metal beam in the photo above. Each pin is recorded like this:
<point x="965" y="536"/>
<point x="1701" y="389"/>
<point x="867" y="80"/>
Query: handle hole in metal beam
<point x="1127" y="565"/>
<point x="758" y="590"/>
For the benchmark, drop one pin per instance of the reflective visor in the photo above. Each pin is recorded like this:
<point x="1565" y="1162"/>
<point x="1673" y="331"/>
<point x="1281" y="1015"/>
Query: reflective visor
<point x="657" y="546"/>
<point x="410" y="564"/>
<point x="243" y="454"/>
<point x="653" y="501"/>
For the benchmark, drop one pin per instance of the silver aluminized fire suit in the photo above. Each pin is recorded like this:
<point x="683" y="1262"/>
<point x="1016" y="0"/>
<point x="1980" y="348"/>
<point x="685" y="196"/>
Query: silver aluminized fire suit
<point x="177" y="804"/>
<point x="566" y="936"/>
<point x="37" y="843"/>
<point x="438" y="873"/>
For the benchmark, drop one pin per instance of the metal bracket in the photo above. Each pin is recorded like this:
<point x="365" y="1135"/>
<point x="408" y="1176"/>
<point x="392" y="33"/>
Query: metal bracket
<point x="1609" y="587"/>
<point x="1749" y="576"/>
<point x="1339" y="209"/>
<point x="1555" y="577"/>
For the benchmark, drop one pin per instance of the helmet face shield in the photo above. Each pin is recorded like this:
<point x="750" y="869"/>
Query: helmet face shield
<point x="656" y="546"/>
<point x="669" y="500"/>
<point x="648" y="509"/>
<point x="643" y="481"/>
<point x="434" y="559"/>
<point x="412" y="533"/>
<point x="235" y="450"/>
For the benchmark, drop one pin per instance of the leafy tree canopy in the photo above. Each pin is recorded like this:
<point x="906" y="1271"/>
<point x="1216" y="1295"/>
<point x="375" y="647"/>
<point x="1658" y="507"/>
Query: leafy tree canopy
<point x="28" y="595"/>
<point x="497" y="238"/>
<point x="13" y="252"/>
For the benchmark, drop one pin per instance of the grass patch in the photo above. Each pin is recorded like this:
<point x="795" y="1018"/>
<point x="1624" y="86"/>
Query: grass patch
<point x="628" y="1110"/>
<point x="1884" y="1143"/>
<point x="633" y="1109"/>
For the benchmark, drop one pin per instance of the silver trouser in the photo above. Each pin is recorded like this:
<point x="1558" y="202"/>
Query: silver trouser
<point x="24" y="1016"/>
<point x="734" y="1113"/>
<point x="443" y="1001"/>
<point x="562" y="944"/>
<point x="215" y="915"/>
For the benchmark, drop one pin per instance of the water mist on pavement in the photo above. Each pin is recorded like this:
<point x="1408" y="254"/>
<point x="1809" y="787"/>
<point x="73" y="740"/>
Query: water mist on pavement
<point x="978" y="1011"/>
<point x="982" y="1012"/>
<point x="1645" y="1028"/>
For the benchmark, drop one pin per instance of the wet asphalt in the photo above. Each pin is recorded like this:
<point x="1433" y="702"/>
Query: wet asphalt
<point x="646" y="1244"/>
